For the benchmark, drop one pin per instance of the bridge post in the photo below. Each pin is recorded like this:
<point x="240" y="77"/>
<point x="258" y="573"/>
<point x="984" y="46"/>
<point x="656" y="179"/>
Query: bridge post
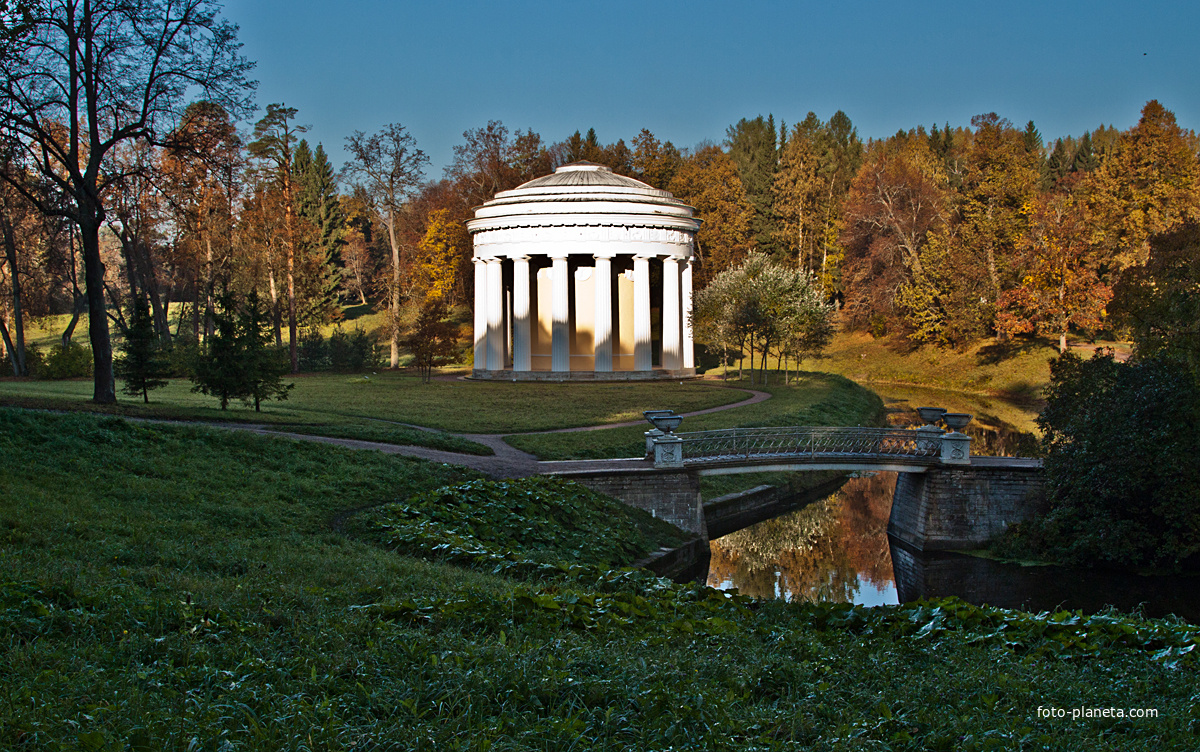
<point x="668" y="451"/>
<point x="956" y="449"/>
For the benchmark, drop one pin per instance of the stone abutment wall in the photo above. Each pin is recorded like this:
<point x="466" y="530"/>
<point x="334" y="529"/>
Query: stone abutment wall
<point x="964" y="508"/>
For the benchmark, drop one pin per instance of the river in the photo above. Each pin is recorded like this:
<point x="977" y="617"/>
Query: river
<point x="837" y="549"/>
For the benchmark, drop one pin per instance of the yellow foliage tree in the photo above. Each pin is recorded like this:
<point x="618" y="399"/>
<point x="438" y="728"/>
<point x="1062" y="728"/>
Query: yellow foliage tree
<point x="444" y="243"/>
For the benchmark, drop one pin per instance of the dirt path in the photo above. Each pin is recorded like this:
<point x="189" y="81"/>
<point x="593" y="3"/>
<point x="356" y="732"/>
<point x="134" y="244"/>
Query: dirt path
<point x="507" y="462"/>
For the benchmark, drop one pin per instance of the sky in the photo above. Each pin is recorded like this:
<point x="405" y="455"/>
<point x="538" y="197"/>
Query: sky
<point x="688" y="70"/>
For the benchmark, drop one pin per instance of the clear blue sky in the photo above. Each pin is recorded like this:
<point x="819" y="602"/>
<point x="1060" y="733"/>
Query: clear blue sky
<point x="687" y="70"/>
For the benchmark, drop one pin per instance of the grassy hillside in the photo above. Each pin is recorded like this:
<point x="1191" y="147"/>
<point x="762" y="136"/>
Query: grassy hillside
<point x="182" y="589"/>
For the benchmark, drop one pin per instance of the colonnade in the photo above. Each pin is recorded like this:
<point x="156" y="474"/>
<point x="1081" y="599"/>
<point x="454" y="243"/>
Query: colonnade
<point x="504" y="313"/>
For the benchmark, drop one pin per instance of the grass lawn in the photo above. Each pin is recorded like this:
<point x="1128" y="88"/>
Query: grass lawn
<point x="813" y="399"/>
<point x="175" y="588"/>
<point x="369" y="406"/>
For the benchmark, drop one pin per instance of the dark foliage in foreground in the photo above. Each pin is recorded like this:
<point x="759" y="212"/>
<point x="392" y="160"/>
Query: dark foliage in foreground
<point x="1121" y="443"/>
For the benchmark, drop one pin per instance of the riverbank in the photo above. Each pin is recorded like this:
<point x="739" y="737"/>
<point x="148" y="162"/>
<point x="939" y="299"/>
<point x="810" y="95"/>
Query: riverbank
<point x="168" y="586"/>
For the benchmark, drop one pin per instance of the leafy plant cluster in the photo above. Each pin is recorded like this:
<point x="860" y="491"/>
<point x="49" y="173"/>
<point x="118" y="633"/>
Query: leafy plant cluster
<point x="351" y="352"/>
<point x="1120" y="442"/>
<point x="540" y="519"/>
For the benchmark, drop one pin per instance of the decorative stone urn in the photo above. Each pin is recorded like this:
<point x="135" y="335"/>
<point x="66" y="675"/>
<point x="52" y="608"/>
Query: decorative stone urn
<point x="931" y="415"/>
<point x="667" y="423"/>
<point x="955" y="421"/>
<point x="653" y="433"/>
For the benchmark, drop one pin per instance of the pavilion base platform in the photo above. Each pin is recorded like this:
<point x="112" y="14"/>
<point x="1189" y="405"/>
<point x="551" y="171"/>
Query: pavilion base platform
<point x="658" y="374"/>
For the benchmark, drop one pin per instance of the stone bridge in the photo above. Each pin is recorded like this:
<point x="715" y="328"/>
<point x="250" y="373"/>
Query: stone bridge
<point x="944" y="498"/>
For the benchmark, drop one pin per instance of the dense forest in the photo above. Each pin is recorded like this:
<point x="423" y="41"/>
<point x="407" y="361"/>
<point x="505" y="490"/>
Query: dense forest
<point x="941" y="235"/>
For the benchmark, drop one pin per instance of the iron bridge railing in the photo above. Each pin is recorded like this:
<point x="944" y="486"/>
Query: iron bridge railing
<point x="817" y="443"/>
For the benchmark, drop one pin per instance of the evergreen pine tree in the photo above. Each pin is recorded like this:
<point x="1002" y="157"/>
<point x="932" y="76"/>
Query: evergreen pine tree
<point x="1085" y="159"/>
<point x="219" y="369"/>
<point x="240" y="360"/>
<point x="265" y="365"/>
<point x="143" y="364"/>
<point x="1057" y="166"/>
<point x="317" y="204"/>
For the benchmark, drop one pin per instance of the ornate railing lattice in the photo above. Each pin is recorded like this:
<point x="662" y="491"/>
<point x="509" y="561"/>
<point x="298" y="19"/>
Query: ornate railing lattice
<point x="817" y="443"/>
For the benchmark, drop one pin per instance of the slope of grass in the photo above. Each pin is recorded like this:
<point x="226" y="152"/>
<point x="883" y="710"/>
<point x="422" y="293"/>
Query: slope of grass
<point x="182" y="589"/>
<point x="812" y="399"/>
<point x="1016" y="369"/>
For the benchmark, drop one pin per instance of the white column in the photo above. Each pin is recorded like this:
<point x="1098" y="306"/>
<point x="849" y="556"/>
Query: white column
<point x="560" y="332"/>
<point x="495" y="315"/>
<point x="481" y="313"/>
<point x="671" y="332"/>
<point x="641" y="314"/>
<point x="603" y="323"/>
<point x="689" y="356"/>
<point x="522" y="353"/>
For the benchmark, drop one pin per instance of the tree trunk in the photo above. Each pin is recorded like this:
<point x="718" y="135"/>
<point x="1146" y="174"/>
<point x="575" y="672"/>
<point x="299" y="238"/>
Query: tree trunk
<point x="16" y="349"/>
<point x="395" y="301"/>
<point x="293" y="352"/>
<point x="104" y="390"/>
<point x="276" y="317"/>
<point x="208" y="284"/>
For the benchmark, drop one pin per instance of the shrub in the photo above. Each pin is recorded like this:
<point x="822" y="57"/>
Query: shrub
<point x="1123" y="483"/>
<point x="33" y="360"/>
<point x="70" y="361"/>
<point x="314" y="352"/>
<point x="354" y="351"/>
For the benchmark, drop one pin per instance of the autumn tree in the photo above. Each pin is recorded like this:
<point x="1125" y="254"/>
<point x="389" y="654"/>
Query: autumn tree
<point x="1147" y="187"/>
<point x="89" y="75"/>
<point x="979" y="253"/>
<point x="275" y="137"/>
<point x="708" y="180"/>
<point x="895" y="201"/>
<point x="817" y="164"/>
<point x="387" y="166"/>
<point x="202" y="180"/>
<point x="444" y="244"/>
<point x="1060" y="287"/>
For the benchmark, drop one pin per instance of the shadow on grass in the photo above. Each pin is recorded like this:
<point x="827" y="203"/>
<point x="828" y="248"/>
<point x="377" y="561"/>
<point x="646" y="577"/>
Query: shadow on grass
<point x="998" y="352"/>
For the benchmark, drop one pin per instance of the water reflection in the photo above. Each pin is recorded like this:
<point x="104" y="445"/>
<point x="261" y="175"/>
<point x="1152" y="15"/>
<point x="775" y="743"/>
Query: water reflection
<point x="837" y="549"/>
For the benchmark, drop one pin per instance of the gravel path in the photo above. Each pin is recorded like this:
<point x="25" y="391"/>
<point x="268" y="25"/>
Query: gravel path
<point x="507" y="462"/>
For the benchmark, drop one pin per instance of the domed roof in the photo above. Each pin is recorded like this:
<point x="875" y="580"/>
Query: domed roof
<point x="585" y="174"/>
<point x="583" y="193"/>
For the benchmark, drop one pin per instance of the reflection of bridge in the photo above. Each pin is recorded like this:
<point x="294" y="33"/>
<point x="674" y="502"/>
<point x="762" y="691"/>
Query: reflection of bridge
<point x="752" y="450"/>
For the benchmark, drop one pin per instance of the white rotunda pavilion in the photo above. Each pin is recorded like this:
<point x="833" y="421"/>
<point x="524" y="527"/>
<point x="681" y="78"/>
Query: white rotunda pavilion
<point x="583" y="274"/>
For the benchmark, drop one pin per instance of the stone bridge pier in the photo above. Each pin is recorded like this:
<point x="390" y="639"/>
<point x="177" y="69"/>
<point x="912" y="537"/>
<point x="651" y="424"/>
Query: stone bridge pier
<point x="935" y="508"/>
<point x="964" y="507"/>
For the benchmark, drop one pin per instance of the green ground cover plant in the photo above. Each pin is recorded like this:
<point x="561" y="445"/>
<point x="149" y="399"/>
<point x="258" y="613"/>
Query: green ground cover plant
<point x="812" y="399"/>
<point x="546" y="519"/>
<point x="174" y="588"/>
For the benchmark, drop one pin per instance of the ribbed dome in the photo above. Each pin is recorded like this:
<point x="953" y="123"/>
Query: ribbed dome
<point x="582" y="190"/>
